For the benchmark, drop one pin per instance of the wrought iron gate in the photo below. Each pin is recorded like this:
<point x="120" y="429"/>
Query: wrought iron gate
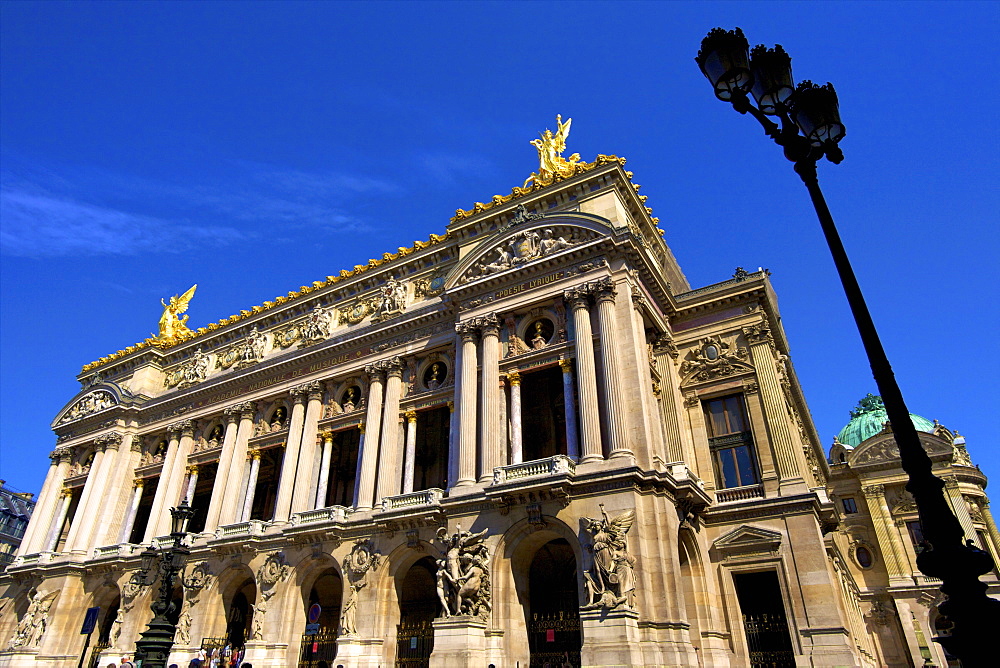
<point x="95" y="652"/>
<point x="414" y="643"/>
<point x="318" y="651"/>
<point x="554" y="639"/>
<point x="768" y="640"/>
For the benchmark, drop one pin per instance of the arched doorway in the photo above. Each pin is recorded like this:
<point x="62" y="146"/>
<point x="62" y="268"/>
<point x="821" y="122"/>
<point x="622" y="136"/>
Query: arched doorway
<point x="419" y="605"/>
<point x="553" y="613"/>
<point x="319" y="640"/>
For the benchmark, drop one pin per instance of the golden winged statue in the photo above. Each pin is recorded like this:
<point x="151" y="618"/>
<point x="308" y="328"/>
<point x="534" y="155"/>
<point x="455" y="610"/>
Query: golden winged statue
<point x="172" y="327"/>
<point x="550" y="160"/>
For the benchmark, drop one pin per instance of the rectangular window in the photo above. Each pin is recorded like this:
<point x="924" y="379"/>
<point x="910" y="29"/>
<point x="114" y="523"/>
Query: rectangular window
<point x="731" y="442"/>
<point x="916" y="533"/>
<point x="850" y="505"/>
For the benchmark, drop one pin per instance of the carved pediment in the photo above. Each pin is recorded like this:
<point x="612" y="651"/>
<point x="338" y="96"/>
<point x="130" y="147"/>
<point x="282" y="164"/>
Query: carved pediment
<point x="882" y="449"/>
<point x="714" y="357"/>
<point x="94" y="399"/>
<point x="748" y="542"/>
<point x="530" y="240"/>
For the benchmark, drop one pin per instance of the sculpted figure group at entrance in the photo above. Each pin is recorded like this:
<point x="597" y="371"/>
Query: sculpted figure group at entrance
<point x="611" y="580"/>
<point x="463" y="576"/>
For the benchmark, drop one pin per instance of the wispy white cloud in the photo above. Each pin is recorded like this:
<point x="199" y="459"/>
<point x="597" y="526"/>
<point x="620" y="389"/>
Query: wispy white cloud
<point x="37" y="225"/>
<point x="448" y="168"/>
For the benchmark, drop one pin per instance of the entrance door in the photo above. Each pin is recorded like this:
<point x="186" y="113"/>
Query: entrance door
<point x="554" y="610"/>
<point x="418" y="606"/>
<point x="764" y="620"/>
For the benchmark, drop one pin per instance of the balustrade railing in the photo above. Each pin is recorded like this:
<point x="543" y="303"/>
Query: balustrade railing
<point x="425" y="497"/>
<point x="329" y="514"/>
<point x="558" y="464"/>
<point x="248" y="528"/>
<point x="739" y="494"/>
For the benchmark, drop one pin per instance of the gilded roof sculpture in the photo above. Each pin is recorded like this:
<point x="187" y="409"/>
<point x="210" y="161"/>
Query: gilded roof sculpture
<point x="173" y="328"/>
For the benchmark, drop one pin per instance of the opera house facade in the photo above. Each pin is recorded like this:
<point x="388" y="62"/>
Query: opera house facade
<point x="525" y="442"/>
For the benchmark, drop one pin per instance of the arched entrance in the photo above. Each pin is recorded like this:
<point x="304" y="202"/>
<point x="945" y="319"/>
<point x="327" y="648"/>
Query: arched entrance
<point x="419" y="605"/>
<point x="553" y="612"/>
<point x="319" y="640"/>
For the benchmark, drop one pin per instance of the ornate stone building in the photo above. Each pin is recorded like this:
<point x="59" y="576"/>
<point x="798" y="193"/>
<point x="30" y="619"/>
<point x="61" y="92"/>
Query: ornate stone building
<point x="525" y="442"/>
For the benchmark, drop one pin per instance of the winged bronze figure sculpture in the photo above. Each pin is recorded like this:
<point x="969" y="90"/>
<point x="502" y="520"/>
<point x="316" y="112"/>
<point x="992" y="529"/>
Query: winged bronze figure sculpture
<point x="172" y="327"/>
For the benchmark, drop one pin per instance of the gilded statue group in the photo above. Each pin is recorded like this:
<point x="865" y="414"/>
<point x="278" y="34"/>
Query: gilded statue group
<point x="550" y="161"/>
<point x="463" y="577"/>
<point x="173" y="328"/>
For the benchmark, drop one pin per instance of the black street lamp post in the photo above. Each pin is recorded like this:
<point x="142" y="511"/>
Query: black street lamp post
<point x="156" y="641"/>
<point x="810" y="129"/>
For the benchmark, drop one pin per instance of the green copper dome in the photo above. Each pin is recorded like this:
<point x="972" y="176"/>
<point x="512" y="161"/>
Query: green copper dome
<point x="868" y="419"/>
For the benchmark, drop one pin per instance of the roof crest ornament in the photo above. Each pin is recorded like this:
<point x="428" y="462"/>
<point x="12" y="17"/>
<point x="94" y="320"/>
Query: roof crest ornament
<point x="550" y="149"/>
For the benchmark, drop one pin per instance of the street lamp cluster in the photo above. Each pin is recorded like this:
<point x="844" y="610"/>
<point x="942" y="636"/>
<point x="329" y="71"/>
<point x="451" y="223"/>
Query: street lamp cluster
<point x="810" y="129"/>
<point x="156" y="641"/>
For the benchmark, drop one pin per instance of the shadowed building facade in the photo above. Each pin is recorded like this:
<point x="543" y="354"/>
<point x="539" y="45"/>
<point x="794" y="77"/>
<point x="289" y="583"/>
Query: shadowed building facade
<point x="528" y="441"/>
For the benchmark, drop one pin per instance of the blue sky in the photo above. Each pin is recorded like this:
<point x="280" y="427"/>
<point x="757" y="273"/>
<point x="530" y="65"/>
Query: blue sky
<point x="255" y="147"/>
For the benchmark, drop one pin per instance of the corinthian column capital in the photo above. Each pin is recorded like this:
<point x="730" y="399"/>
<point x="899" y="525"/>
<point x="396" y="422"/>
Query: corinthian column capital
<point x="467" y="330"/>
<point x="873" y="491"/>
<point x="758" y="333"/>
<point x="604" y="290"/>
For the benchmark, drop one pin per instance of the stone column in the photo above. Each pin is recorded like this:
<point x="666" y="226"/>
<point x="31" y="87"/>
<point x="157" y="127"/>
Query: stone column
<point x="254" y="456"/>
<point x="493" y="451"/>
<point x="160" y="499"/>
<point x="775" y="409"/>
<point x="882" y="519"/>
<point x="590" y="426"/>
<point x="960" y="508"/>
<point x="102" y="499"/>
<point x="504" y="418"/>
<point x="452" y="447"/>
<point x="991" y="525"/>
<point x="175" y="485"/>
<point x="467" y="406"/>
<point x="357" y="467"/>
<point x="516" y="433"/>
<point x="569" y="399"/>
<point x="38" y="527"/>
<point x="305" y="478"/>
<point x="231" y="508"/>
<point x="79" y="530"/>
<point x="410" y="455"/>
<point x="663" y="352"/>
<point x="118" y="492"/>
<point x="232" y="417"/>
<point x="66" y="498"/>
<point x="133" y="510"/>
<point x="369" y="451"/>
<point x="289" y="465"/>
<point x="614" y="398"/>
<point x="324" y="470"/>
<point x="192" y="484"/>
<point x="389" y="475"/>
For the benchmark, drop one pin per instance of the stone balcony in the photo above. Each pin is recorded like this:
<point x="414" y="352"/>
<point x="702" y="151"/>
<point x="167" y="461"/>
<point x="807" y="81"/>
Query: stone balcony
<point x="241" y="529"/>
<point x="735" y="494"/>
<point x="425" y="497"/>
<point x="329" y="514"/>
<point x="550" y="466"/>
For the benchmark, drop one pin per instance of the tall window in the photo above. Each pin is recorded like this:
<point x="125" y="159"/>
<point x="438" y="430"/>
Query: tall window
<point x="731" y="442"/>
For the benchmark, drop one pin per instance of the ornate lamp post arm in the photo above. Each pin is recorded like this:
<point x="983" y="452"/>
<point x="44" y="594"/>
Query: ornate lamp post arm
<point x="813" y="111"/>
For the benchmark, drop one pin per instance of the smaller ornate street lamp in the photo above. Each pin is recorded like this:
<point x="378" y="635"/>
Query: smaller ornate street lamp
<point x="156" y="641"/>
<point x="810" y="129"/>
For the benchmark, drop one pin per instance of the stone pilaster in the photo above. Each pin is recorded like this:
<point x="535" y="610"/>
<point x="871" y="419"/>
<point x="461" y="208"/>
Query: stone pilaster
<point x="133" y="509"/>
<point x="409" y="457"/>
<point x="569" y="400"/>
<point x="775" y="411"/>
<point x="590" y="426"/>
<point x="232" y="507"/>
<point x="959" y="507"/>
<point x="493" y="451"/>
<point x="467" y="406"/>
<point x="663" y="352"/>
<point x="373" y="425"/>
<point x="293" y="448"/>
<point x="888" y="544"/>
<point x="254" y="460"/>
<point x="306" y="478"/>
<point x="232" y="417"/>
<point x="614" y="398"/>
<point x="991" y="525"/>
<point x="324" y="469"/>
<point x="389" y="476"/>
<point x="516" y="433"/>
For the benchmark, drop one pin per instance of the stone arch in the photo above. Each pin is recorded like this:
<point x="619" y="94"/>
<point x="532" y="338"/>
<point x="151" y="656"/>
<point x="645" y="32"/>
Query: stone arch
<point x="566" y="224"/>
<point x="511" y="566"/>
<point x="696" y="599"/>
<point x="287" y="615"/>
<point x="213" y="620"/>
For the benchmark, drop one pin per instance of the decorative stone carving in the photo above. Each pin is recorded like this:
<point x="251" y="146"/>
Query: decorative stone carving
<point x="359" y="311"/>
<point x="272" y="571"/>
<point x="116" y="626"/>
<point x="111" y="440"/>
<point x="201" y="577"/>
<point x="246" y="353"/>
<point x="195" y="371"/>
<point x="714" y="358"/>
<point x="758" y="333"/>
<point x="32" y="626"/>
<point x="611" y="580"/>
<point x="463" y="576"/>
<point x="523" y="247"/>
<point x="429" y="286"/>
<point x="182" y="636"/>
<point x="90" y="403"/>
<point x="391" y="300"/>
<point x="663" y="343"/>
<point x="316" y="327"/>
<point x="880" y="613"/>
<point x="362" y="559"/>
